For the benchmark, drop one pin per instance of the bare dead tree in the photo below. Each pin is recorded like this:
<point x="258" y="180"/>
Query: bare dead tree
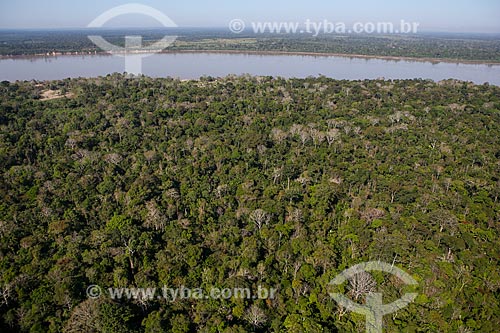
<point x="172" y="193"/>
<point x="278" y="135"/>
<point x="396" y="117"/>
<point x="295" y="129"/>
<point x="129" y="246"/>
<point x="255" y="316"/>
<point x="347" y="130"/>
<point x="277" y="173"/>
<point x="446" y="220"/>
<point x="259" y="217"/>
<point x="113" y="158"/>
<point x="304" y="136"/>
<point x="296" y="215"/>
<point x="221" y="190"/>
<point x="5" y="294"/>
<point x="155" y="219"/>
<point x="361" y="284"/>
<point x="332" y="123"/>
<point x="303" y="180"/>
<point x="332" y="135"/>
<point x="317" y="136"/>
<point x="84" y="318"/>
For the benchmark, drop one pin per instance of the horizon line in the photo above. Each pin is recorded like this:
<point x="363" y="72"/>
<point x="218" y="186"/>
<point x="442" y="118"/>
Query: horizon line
<point x="222" y="28"/>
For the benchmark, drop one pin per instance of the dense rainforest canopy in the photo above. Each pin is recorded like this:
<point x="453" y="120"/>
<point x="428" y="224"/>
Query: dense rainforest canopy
<point x="247" y="181"/>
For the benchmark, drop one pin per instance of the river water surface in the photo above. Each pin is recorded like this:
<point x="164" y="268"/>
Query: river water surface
<point x="194" y="65"/>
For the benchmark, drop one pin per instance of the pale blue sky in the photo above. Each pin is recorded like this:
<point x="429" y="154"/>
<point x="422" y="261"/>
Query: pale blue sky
<point x="434" y="15"/>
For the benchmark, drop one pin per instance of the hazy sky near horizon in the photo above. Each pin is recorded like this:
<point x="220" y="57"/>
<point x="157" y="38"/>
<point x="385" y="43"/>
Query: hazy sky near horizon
<point x="433" y="15"/>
